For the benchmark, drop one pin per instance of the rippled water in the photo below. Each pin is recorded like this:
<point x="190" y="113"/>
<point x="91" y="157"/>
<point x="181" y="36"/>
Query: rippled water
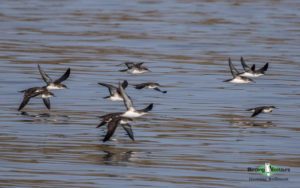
<point x="198" y="134"/>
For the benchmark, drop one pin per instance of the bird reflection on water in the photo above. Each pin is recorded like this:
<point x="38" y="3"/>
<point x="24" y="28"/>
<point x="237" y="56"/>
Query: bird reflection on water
<point x="251" y="123"/>
<point x="45" y="117"/>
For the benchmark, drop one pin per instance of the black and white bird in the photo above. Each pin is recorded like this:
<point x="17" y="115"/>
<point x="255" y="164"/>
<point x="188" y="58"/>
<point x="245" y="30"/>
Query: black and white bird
<point x="149" y="85"/>
<point x="112" y="121"/>
<point x="115" y="94"/>
<point x="36" y="92"/>
<point x="237" y="78"/>
<point x="261" y="109"/>
<point x="131" y="112"/>
<point x="135" y="68"/>
<point x="51" y="85"/>
<point x="251" y="72"/>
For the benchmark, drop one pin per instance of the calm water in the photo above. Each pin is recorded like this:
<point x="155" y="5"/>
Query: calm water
<point x="198" y="134"/>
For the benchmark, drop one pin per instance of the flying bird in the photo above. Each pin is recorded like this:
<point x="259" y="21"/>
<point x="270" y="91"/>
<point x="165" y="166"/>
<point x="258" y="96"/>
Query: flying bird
<point x="261" y="109"/>
<point x="114" y="92"/>
<point x="237" y="78"/>
<point x="51" y="85"/>
<point x="135" y="68"/>
<point x="112" y="121"/>
<point x="131" y="111"/>
<point x="149" y="85"/>
<point x="36" y="92"/>
<point x="251" y="72"/>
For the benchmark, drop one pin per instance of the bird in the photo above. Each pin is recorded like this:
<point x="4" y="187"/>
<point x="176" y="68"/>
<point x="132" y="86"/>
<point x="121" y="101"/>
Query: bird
<point x="108" y="117"/>
<point x="260" y="109"/>
<point x="36" y="92"/>
<point x="236" y="75"/>
<point x="131" y="112"/>
<point x="113" y="120"/>
<point x="135" y="68"/>
<point x="149" y="85"/>
<point x="115" y="94"/>
<point x="51" y="85"/>
<point x="251" y="72"/>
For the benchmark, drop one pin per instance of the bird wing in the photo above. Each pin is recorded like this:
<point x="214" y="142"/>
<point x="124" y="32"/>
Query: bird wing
<point x="47" y="102"/>
<point x="148" y="108"/>
<point x="127" y="101"/>
<point x="111" y="127"/>
<point x="112" y="89"/>
<point x="264" y="68"/>
<point x="245" y="66"/>
<point x="139" y="64"/>
<point x="24" y="102"/>
<point x="157" y="89"/>
<point x="257" y="111"/>
<point x="129" y="65"/>
<point x="233" y="70"/>
<point x="63" y="77"/>
<point x="127" y="128"/>
<point x="45" y="77"/>
<point x="140" y="86"/>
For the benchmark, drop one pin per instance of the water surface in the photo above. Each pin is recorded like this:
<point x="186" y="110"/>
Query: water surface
<point x="198" y="134"/>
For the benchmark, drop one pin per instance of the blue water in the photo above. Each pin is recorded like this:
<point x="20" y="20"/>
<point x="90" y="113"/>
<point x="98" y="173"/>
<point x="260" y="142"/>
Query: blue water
<point x="199" y="134"/>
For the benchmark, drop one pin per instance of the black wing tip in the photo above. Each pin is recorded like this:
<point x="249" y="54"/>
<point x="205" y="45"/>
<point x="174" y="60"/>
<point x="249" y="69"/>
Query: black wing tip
<point x="68" y="71"/>
<point x="254" y="114"/>
<point x="149" y="107"/>
<point x="101" y="124"/>
<point x="105" y="139"/>
<point x="265" y="67"/>
<point x="125" y="84"/>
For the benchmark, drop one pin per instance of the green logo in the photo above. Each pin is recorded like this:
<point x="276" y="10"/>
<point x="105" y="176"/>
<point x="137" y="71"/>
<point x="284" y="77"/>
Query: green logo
<point x="268" y="169"/>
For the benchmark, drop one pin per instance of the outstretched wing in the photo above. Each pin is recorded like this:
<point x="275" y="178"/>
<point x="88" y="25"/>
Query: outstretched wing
<point x="24" y="102"/>
<point x="157" y="89"/>
<point x="140" y="86"/>
<point x="45" y="77"/>
<point x="148" y="108"/>
<point x="233" y="70"/>
<point x="245" y="66"/>
<point x="47" y="102"/>
<point x="127" y="128"/>
<point x="129" y="65"/>
<point x="111" y="127"/>
<point x="264" y="68"/>
<point x="63" y="77"/>
<point x="124" y="84"/>
<point x="127" y="101"/>
<point x="103" y="122"/>
<point x="139" y="64"/>
<point x="112" y="89"/>
<point x="257" y="111"/>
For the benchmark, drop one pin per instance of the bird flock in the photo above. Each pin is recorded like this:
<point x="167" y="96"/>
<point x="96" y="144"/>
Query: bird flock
<point x="118" y="93"/>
